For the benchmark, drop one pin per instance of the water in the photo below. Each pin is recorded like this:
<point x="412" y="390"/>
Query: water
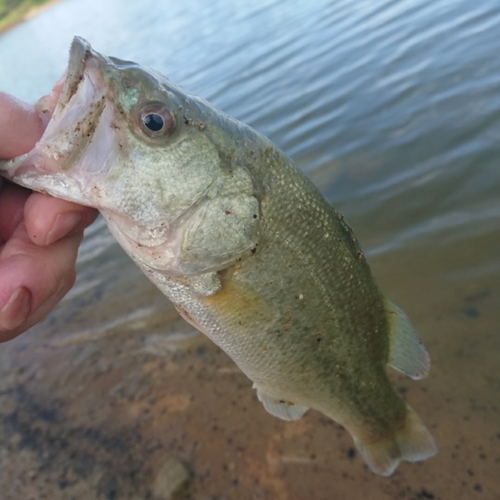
<point x="393" y="109"/>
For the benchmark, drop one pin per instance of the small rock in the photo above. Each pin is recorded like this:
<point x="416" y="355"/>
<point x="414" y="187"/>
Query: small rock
<point x="107" y="487"/>
<point x="172" y="479"/>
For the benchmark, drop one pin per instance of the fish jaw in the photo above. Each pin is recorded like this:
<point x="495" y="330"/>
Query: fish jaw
<point x="78" y="138"/>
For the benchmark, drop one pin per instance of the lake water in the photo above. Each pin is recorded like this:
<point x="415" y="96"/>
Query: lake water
<point x="392" y="107"/>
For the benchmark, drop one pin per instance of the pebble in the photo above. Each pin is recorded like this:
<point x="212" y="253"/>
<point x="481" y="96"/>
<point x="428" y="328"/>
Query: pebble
<point x="172" y="478"/>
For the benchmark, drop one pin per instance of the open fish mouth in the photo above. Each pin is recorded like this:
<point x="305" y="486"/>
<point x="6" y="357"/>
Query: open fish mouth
<point x="77" y="107"/>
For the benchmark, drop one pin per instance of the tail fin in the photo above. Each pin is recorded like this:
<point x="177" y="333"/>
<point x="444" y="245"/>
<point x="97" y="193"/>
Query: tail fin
<point x="412" y="442"/>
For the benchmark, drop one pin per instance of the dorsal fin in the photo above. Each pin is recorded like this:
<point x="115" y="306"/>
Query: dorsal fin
<point x="407" y="354"/>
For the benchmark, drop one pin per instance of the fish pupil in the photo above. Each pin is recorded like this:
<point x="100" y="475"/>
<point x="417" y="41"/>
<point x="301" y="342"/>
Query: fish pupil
<point x="153" y="122"/>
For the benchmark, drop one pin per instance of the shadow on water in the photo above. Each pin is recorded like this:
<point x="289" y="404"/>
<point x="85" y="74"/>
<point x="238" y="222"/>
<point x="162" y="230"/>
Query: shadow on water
<point x="393" y="109"/>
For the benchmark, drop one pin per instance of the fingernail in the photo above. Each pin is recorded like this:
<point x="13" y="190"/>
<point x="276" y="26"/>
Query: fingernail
<point x="63" y="224"/>
<point x="17" y="309"/>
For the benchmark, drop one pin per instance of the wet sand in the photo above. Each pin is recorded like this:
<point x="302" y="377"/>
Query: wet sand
<point x="99" y="416"/>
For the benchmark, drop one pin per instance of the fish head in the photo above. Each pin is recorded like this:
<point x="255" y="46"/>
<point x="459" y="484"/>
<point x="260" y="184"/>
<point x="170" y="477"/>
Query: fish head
<point x="127" y="141"/>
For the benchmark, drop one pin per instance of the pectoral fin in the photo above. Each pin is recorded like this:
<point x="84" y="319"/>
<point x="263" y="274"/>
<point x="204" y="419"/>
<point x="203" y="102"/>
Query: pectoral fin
<point x="281" y="408"/>
<point x="239" y="307"/>
<point x="407" y="353"/>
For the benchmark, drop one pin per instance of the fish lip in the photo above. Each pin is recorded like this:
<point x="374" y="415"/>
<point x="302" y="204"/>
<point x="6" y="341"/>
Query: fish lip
<point x="79" y="52"/>
<point x="82" y="58"/>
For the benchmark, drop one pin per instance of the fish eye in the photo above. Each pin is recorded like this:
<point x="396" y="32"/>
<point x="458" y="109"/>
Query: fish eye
<point x="156" y="121"/>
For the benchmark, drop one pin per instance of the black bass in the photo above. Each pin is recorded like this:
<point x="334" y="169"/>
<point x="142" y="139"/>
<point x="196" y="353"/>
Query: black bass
<point x="241" y="242"/>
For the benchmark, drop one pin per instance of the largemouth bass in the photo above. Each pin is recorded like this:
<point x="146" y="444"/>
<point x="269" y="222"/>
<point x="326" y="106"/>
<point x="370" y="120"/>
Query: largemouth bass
<point x="241" y="242"/>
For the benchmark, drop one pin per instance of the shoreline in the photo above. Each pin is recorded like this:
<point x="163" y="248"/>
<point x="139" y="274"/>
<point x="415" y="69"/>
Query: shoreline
<point x="23" y="13"/>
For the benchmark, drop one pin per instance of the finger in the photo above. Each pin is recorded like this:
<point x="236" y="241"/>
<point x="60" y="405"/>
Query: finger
<point x="20" y="127"/>
<point x="50" y="219"/>
<point x="1" y="185"/>
<point x="12" y="200"/>
<point x="34" y="279"/>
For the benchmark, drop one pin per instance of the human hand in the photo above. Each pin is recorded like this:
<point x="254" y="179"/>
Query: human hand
<point x="39" y="235"/>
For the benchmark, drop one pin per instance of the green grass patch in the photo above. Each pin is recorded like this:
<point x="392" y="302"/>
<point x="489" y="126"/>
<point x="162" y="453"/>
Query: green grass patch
<point x="13" y="11"/>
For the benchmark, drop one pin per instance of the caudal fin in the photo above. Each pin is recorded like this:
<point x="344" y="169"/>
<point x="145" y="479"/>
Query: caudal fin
<point x="412" y="443"/>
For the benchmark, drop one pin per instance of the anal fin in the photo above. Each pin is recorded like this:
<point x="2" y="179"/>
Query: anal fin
<point x="281" y="408"/>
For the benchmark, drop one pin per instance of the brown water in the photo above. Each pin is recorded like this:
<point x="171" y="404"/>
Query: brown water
<point x="393" y="109"/>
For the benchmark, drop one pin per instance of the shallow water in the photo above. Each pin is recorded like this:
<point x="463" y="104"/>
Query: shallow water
<point x="393" y="109"/>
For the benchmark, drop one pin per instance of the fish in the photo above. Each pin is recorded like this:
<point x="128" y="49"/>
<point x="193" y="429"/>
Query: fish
<point x="242" y="243"/>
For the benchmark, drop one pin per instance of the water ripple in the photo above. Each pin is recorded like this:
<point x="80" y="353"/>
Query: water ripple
<point x="391" y="106"/>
